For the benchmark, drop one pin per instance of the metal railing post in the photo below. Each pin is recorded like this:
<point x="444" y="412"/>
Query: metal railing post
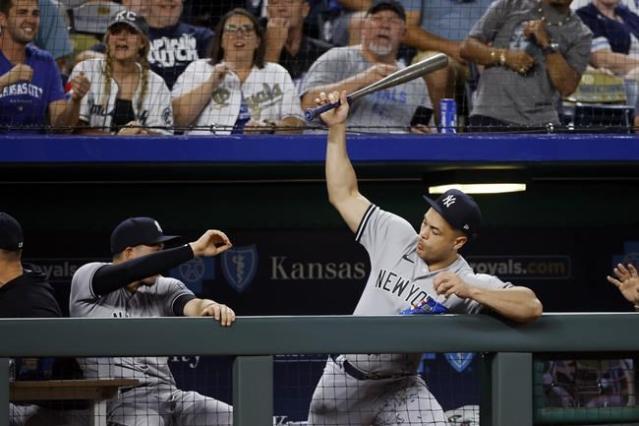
<point x="507" y="389"/>
<point x="253" y="391"/>
<point x="4" y="391"/>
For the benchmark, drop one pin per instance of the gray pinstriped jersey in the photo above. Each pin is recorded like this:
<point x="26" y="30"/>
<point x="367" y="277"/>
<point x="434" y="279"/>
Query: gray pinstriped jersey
<point x="399" y="279"/>
<point x="148" y="301"/>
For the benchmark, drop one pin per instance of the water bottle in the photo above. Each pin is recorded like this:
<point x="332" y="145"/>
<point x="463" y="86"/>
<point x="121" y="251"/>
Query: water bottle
<point x="448" y="116"/>
<point x="242" y="118"/>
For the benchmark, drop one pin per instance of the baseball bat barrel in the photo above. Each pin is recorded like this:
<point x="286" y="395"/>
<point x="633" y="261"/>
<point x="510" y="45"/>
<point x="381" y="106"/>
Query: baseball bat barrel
<point x="404" y="75"/>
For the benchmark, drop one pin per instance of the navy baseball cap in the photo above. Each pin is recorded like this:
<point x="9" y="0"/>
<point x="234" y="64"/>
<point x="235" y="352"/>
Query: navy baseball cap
<point x="459" y="210"/>
<point x="11" y="237"/>
<point x="136" y="231"/>
<point x="132" y="19"/>
<point x="393" y="5"/>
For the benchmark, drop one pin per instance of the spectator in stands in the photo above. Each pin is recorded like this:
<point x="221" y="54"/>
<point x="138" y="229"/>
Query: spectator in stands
<point x="25" y="294"/>
<point x="131" y="286"/>
<point x="347" y="21"/>
<point x="285" y="40"/>
<point x="626" y="279"/>
<point x="174" y="44"/>
<point x="351" y="68"/>
<point x="441" y="26"/>
<point x="53" y="34"/>
<point x="31" y="95"/>
<point x="122" y="95"/>
<point x="236" y="91"/>
<point x="529" y="63"/>
<point x="615" y="30"/>
<point x="630" y="4"/>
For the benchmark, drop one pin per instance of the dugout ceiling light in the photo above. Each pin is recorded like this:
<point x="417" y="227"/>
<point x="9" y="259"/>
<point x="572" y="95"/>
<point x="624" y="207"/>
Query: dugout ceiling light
<point x="480" y="180"/>
<point x="479" y="188"/>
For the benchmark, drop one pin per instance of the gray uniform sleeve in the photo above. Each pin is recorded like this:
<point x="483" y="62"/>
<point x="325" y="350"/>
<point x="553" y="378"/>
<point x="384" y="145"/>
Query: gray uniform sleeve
<point x="82" y="300"/>
<point x="382" y="233"/>
<point x="483" y="281"/>
<point x="489" y="24"/>
<point x="171" y="290"/>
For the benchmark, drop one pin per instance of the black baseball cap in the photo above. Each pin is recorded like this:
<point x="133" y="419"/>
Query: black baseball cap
<point x="459" y="210"/>
<point x="393" y="5"/>
<point x="132" y="19"/>
<point x="136" y="231"/>
<point x="11" y="237"/>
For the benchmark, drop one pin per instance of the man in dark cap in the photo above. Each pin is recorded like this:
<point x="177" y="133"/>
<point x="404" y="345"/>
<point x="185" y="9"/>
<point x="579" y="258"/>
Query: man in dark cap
<point x="354" y="67"/>
<point x="411" y="273"/>
<point x="131" y="286"/>
<point x="26" y="294"/>
<point x="23" y="293"/>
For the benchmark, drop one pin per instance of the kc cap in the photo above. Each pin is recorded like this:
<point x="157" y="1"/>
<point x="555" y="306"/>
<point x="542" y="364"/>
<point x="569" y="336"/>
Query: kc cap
<point x="136" y="231"/>
<point x="393" y="5"/>
<point x="459" y="210"/>
<point x="11" y="237"/>
<point x="132" y="19"/>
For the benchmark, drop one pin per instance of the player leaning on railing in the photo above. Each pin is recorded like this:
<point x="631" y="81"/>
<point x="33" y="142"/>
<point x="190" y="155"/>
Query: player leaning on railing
<point x="410" y="273"/>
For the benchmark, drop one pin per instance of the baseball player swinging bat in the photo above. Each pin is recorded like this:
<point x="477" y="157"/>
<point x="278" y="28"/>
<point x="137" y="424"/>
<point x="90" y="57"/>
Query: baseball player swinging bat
<point x="409" y="73"/>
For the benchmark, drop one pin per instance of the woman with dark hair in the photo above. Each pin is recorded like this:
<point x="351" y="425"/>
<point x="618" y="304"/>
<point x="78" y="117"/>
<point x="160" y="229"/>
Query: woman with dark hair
<point x="125" y="96"/>
<point x="235" y="91"/>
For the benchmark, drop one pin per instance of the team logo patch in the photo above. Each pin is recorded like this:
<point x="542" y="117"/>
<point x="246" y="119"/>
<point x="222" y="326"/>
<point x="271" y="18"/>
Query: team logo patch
<point x="459" y="360"/>
<point x="239" y="265"/>
<point x="194" y="272"/>
<point x="449" y="200"/>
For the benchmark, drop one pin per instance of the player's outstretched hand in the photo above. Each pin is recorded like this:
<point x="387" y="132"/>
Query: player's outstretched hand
<point x="448" y="283"/>
<point x="211" y="243"/>
<point x="221" y="313"/>
<point x="336" y="115"/>
<point x="626" y="279"/>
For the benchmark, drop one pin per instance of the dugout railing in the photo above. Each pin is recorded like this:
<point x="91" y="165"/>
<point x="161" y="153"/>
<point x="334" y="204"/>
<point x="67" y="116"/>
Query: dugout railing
<point x="508" y="385"/>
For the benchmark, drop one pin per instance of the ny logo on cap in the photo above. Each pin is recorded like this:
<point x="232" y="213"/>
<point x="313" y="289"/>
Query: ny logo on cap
<point x="449" y="200"/>
<point x="157" y="225"/>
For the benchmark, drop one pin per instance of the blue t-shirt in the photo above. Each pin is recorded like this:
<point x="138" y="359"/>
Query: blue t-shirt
<point x="174" y="48"/>
<point x="451" y="19"/>
<point x="24" y="105"/>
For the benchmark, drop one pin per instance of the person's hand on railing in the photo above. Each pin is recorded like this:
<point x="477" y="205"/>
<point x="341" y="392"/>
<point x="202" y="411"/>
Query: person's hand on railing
<point x="220" y="312"/>
<point x="133" y="128"/>
<point x="626" y="279"/>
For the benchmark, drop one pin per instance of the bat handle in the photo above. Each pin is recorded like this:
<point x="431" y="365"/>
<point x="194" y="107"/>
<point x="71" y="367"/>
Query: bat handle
<point x="310" y="114"/>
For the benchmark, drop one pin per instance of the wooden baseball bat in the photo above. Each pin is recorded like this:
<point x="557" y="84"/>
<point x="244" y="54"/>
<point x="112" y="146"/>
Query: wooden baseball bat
<point x="409" y="73"/>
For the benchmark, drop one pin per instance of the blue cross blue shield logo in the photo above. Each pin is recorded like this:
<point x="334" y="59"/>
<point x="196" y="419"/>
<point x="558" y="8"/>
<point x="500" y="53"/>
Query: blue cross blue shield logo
<point x="194" y="272"/>
<point x="459" y="360"/>
<point x="239" y="265"/>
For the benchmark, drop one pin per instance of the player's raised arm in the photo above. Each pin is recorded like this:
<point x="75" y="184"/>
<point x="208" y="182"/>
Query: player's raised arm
<point x="341" y="181"/>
